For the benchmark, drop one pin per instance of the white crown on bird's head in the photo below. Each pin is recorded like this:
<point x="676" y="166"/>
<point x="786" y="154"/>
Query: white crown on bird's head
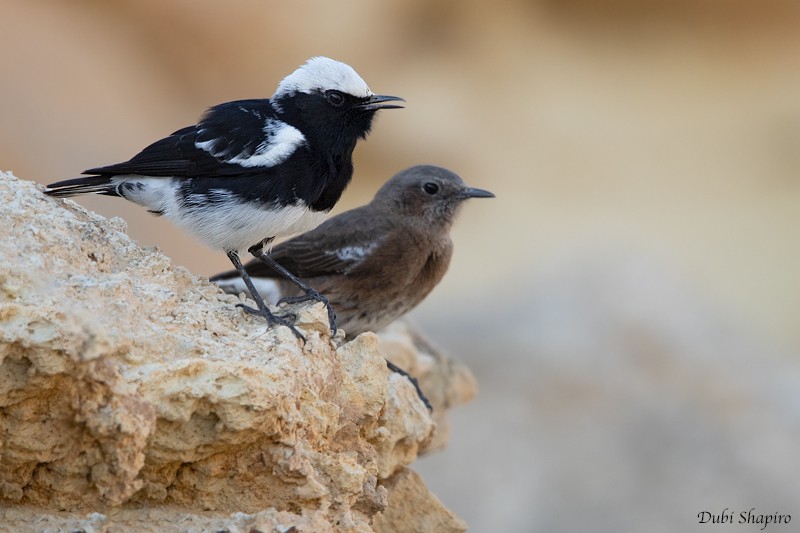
<point x="322" y="74"/>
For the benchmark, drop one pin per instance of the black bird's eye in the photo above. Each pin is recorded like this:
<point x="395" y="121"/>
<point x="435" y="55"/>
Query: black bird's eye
<point x="335" y="98"/>
<point x="430" y="188"/>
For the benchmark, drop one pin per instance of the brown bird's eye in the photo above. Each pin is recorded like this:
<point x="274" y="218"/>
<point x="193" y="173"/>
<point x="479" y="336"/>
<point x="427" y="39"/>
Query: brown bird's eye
<point x="430" y="188"/>
<point x="335" y="98"/>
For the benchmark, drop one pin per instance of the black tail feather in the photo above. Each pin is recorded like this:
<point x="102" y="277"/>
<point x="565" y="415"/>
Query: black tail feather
<point x="86" y="185"/>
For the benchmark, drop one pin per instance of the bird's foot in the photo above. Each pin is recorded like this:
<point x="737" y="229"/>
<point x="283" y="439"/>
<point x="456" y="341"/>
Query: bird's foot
<point x="271" y="318"/>
<point x="394" y="368"/>
<point x="312" y="295"/>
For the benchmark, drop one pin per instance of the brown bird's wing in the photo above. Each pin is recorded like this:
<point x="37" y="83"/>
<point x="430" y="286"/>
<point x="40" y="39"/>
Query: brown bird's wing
<point x="337" y="246"/>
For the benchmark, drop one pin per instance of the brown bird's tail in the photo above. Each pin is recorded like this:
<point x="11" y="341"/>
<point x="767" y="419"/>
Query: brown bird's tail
<point x="222" y="276"/>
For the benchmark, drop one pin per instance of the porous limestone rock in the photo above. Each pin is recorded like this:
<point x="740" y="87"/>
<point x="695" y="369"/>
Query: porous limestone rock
<point x="135" y="395"/>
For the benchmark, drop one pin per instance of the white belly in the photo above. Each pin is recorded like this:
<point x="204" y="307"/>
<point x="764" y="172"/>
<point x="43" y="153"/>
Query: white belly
<point x="228" y="225"/>
<point x="238" y="226"/>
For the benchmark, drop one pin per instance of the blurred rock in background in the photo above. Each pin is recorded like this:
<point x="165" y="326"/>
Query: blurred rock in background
<point x="613" y="397"/>
<point x="630" y="302"/>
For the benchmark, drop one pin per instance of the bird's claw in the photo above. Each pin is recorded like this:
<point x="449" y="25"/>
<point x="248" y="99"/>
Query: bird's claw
<point x="282" y="320"/>
<point x="317" y="297"/>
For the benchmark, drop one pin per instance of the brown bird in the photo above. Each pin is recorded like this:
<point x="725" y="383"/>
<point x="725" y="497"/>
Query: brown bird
<point x="376" y="262"/>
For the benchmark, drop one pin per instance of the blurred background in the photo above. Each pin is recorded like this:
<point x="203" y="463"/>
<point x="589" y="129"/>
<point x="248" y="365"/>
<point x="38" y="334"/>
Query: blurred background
<point x="630" y="301"/>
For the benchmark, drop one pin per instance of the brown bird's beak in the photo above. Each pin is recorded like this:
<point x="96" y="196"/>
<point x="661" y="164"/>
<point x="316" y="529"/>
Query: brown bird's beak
<point x="377" y="101"/>
<point x="472" y="192"/>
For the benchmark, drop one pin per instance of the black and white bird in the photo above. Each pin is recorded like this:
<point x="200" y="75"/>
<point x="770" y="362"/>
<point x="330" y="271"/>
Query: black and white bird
<point x="251" y="171"/>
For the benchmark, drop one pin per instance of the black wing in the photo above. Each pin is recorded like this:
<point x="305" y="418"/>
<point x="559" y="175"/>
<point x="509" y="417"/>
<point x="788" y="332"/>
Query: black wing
<point x="221" y="144"/>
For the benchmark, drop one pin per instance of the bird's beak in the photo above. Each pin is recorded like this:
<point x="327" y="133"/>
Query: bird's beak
<point x="472" y="192"/>
<point x="377" y="101"/>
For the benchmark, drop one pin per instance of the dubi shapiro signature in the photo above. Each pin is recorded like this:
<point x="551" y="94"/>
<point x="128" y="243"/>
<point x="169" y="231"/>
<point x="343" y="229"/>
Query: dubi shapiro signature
<point x="728" y="516"/>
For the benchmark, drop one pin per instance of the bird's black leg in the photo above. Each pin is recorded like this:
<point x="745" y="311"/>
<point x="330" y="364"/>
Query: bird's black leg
<point x="394" y="368"/>
<point x="262" y="310"/>
<point x="311" y="294"/>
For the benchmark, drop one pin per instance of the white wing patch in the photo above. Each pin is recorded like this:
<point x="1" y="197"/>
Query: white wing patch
<point x="354" y="254"/>
<point x="280" y="143"/>
<point x="320" y="74"/>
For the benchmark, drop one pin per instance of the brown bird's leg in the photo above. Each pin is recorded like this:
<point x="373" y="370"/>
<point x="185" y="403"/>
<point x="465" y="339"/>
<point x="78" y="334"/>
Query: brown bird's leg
<point x="262" y="310"/>
<point x="311" y="294"/>
<point x="394" y="368"/>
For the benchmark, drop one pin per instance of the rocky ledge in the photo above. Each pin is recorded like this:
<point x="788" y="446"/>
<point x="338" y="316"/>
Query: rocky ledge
<point x="133" y="394"/>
